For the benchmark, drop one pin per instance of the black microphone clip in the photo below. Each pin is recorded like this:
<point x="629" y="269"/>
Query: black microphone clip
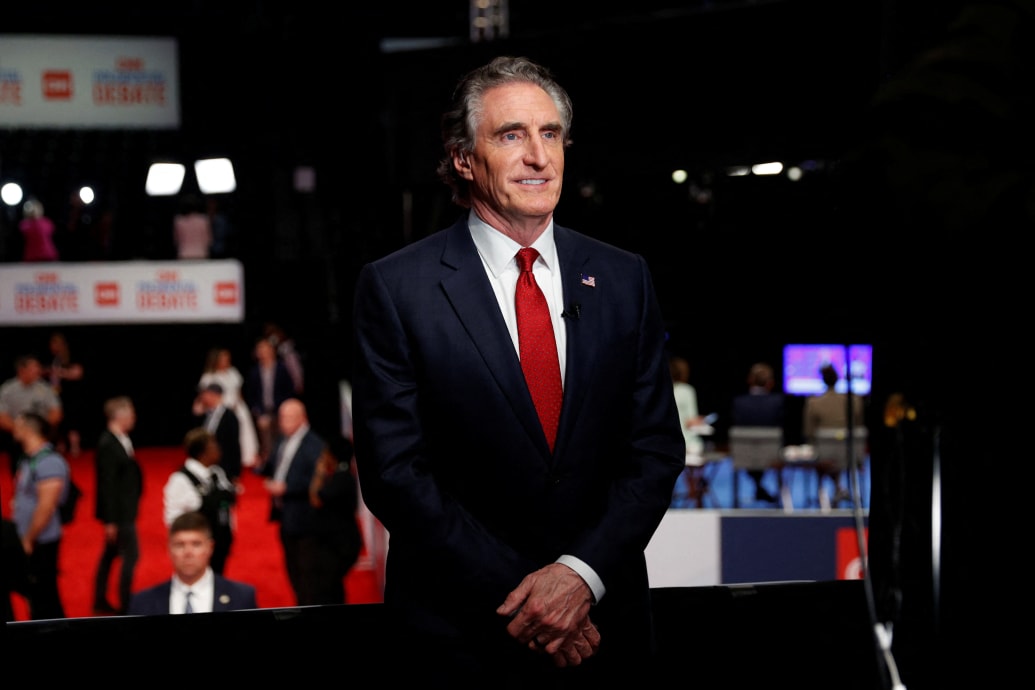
<point x="573" y="311"/>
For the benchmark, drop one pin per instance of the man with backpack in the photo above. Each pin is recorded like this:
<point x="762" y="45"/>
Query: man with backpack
<point x="41" y="484"/>
<point x="202" y="485"/>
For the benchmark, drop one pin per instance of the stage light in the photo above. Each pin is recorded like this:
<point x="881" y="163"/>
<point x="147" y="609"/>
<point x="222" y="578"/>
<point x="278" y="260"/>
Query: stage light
<point x="11" y="193"/>
<point x="767" y="168"/>
<point x="215" y="175"/>
<point x="679" y="176"/>
<point x="164" y="179"/>
<point x="86" y="195"/>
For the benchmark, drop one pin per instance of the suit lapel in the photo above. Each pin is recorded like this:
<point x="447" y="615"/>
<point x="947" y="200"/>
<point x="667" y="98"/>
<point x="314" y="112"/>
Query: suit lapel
<point x="475" y="305"/>
<point x="582" y="323"/>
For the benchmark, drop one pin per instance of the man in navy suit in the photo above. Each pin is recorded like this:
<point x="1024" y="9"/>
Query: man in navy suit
<point x="194" y="587"/>
<point x="289" y="472"/>
<point x="221" y="421"/>
<point x="760" y="406"/>
<point x="513" y="560"/>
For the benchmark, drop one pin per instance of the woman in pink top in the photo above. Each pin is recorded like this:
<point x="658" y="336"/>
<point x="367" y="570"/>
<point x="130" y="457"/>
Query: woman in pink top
<point x="37" y="234"/>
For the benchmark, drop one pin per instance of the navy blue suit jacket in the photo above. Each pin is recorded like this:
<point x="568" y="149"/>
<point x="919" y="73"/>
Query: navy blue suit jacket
<point x="758" y="409"/>
<point x="295" y="513"/>
<point x="451" y="455"/>
<point x="229" y="596"/>
<point x="228" y="434"/>
<point x="283" y="388"/>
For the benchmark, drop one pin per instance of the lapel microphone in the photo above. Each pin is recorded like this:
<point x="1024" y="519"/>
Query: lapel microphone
<point x="572" y="312"/>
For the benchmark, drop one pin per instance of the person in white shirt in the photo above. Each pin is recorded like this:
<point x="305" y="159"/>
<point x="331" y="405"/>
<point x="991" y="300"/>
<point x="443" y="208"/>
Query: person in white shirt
<point x="200" y="484"/>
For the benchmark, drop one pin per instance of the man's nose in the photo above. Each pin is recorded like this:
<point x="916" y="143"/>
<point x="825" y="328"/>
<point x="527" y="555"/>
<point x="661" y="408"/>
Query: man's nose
<point x="535" y="152"/>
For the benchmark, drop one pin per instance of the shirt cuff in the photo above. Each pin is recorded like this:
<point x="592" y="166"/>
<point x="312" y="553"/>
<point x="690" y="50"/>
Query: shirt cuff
<point x="596" y="585"/>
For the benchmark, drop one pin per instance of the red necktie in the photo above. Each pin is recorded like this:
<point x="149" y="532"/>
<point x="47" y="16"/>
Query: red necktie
<point x="537" y="347"/>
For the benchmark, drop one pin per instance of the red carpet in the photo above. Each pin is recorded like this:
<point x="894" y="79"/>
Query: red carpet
<point x="256" y="555"/>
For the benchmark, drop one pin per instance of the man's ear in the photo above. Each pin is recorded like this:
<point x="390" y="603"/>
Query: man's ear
<point x="462" y="164"/>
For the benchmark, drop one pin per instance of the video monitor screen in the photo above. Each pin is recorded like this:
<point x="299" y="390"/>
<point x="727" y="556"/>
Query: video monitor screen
<point x="802" y="364"/>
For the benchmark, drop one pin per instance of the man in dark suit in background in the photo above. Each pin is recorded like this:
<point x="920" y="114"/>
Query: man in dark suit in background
<point x="517" y="555"/>
<point x="289" y="472"/>
<point x="221" y="422"/>
<point x="120" y="484"/>
<point x="759" y="406"/>
<point x="267" y="385"/>
<point x="193" y="581"/>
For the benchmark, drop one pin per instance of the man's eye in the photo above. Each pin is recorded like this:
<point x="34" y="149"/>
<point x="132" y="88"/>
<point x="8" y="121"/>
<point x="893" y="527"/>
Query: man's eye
<point x="510" y="136"/>
<point x="549" y="135"/>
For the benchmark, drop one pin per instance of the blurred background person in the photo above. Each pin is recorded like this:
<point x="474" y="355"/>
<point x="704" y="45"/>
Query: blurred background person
<point x="27" y="391"/>
<point x="222" y="231"/>
<point x="222" y="423"/>
<point x="66" y="378"/>
<point x="220" y="369"/>
<point x="201" y="485"/>
<point x="15" y="570"/>
<point x="686" y="405"/>
<point x="334" y="494"/>
<point x="829" y="410"/>
<point x="759" y="406"/>
<point x="268" y="385"/>
<point x="37" y="234"/>
<point x="120" y="484"/>
<point x="289" y="473"/>
<point x="41" y="483"/>
<point x="192" y="229"/>
<point x="288" y="353"/>
<point x="194" y="587"/>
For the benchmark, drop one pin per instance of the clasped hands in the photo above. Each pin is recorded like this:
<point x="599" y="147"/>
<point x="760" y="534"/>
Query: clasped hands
<point x="549" y="612"/>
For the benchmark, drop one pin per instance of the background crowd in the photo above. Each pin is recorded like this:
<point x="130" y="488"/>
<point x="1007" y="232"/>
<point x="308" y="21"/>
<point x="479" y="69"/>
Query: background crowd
<point x="255" y="422"/>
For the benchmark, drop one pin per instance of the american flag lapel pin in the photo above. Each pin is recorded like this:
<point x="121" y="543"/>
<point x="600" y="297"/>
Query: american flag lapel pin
<point x="591" y="281"/>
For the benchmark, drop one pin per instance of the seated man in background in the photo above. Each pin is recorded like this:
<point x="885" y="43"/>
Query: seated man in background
<point x="193" y="587"/>
<point x="759" y="406"/>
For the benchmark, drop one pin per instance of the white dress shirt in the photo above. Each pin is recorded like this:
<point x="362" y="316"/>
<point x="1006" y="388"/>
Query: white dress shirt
<point x="287" y="453"/>
<point x="202" y="593"/>
<point x="498" y="252"/>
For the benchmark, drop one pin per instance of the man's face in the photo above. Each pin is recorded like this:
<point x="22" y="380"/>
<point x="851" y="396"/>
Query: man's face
<point x="19" y="429"/>
<point x="212" y="453"/>
<point x="190" y="552"/>
<point x="30" y="372"/>
<point x="290" y="417"/>
<point x="126" y="418"/>
<point x="517" y="165"/>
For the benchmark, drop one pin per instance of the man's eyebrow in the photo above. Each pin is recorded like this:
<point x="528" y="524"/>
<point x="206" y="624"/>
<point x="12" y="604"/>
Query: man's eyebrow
<point x="513" y="126"/>
<point x="509" y="127"/>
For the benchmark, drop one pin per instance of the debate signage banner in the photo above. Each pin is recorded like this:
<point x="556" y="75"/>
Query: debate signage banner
<point x="89" y="82"/>
<point x="122" y="292"/>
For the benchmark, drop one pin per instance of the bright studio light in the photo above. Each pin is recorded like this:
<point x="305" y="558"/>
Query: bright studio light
<point x="767" y="168"/>
<point x="164" y="179"/>
<point x="679" y="176"/>
<point x="11" y="193"/>
<point x="215" y="175"/>
<point x="86" y="195"/>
